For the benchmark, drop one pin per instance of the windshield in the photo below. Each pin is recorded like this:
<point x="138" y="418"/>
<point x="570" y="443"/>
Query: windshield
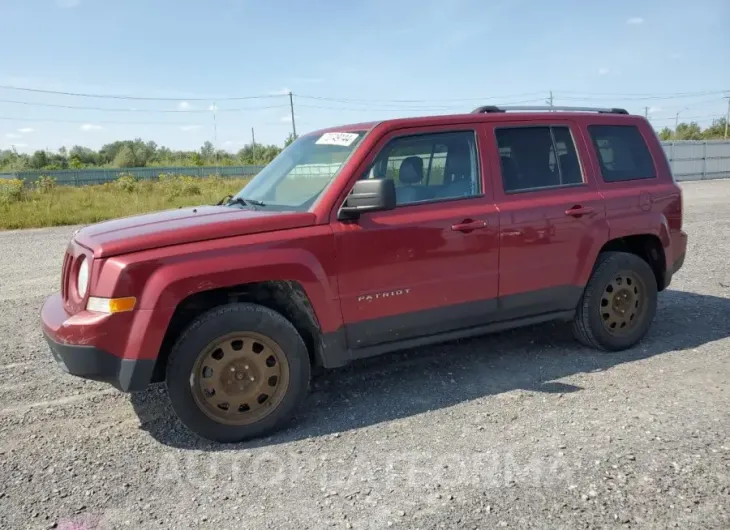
<point x="295" y="178"/>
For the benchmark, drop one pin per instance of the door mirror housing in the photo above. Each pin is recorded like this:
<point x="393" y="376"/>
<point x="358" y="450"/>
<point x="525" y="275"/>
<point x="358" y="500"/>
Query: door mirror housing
<point x="370" y="195"/>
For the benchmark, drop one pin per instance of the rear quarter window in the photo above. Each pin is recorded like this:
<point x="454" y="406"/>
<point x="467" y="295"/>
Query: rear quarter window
<point x="622" y="153"/>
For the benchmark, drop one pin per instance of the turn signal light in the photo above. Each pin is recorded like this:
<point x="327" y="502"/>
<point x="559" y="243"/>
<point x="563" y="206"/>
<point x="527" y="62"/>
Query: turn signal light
<point x="111" y="305"/>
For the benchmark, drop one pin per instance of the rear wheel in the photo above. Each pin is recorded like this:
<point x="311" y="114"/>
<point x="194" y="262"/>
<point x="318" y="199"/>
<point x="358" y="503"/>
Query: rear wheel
<point x="238" y="372"/>
<point x="618" y="304"/>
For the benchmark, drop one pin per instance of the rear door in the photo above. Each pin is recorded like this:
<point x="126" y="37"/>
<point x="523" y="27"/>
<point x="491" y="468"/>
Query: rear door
<point x="552" y="215"/>
<point x="430" y="265"/>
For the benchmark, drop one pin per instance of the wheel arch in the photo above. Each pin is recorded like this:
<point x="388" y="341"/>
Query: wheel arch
<point x="286" y="297"/>
<point x="648" y="247"/>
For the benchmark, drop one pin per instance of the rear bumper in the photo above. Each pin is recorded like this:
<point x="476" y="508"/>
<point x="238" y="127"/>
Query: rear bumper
<point x="71" y="339"/>
<point x="678" y="252"/>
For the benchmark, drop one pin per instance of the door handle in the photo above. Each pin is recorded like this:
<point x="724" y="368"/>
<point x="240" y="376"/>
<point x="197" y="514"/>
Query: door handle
<point x="578" y="210"/>
<point x="468" y="225"/>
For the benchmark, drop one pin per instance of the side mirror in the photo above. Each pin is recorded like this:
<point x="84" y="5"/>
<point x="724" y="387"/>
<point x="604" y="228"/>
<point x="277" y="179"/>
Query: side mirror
<point x="371" y="195"/>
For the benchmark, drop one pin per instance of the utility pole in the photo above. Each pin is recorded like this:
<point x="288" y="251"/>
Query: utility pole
<point x="253" y="146"/>
<point x="214" y="108"/>
<point x="646" y="112"/>
<point x="727" y="117"/>
<point x="550" y="100"/>
<point x="676" y="124"/>
<point x="293" y="124"/>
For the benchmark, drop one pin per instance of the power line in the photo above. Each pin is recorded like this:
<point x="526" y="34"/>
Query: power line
<point x="398" y="101"/>
<point x="674" y="118"/>
<point x="406" y="109"/>
<point x="135" y="98"/>
<point x="118" y="109"/>
<point x="104" y="122"/>
<point x="580" y="94"/>
<point x="654" y="94"/>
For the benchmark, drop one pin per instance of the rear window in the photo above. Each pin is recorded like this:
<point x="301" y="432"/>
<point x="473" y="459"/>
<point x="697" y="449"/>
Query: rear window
<point x="622" y="153"/>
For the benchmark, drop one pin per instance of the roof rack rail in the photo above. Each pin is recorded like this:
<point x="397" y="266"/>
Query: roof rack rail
<point x="494" y="108"/>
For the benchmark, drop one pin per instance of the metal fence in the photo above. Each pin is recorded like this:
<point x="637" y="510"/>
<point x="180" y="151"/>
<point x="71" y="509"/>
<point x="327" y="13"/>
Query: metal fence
<point x="83" y="177"/>
<point x="690" y="160"/>
<point x="699" y="160"/>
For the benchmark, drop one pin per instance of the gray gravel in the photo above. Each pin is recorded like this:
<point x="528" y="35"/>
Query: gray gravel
<point x="524" y="429"/>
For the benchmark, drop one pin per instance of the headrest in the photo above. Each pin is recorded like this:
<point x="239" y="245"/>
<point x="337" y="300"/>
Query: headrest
<point x="411" y="170"/>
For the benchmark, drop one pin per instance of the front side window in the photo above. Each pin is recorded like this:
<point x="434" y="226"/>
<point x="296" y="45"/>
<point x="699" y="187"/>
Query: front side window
<point x="301" y="172"/>
<point x="532" y="158"/>
<point x="622" y="153"/>
<point x="430" y="167"/>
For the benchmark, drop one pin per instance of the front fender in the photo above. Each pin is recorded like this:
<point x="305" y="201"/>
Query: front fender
<point x="162" y="282"/>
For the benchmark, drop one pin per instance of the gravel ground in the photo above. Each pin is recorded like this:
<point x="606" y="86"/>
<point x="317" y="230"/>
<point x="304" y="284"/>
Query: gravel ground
<point x="523" y="429"/>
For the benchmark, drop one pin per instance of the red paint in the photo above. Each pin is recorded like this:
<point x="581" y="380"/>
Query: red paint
<point x="522" y="242"/>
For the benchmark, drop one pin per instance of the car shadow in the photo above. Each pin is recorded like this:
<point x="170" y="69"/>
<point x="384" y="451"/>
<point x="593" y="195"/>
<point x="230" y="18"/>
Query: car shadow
<point x="411" y="382"/>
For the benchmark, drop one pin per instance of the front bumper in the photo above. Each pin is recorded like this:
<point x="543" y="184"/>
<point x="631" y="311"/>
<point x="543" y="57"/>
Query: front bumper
<point x="87" y="360"/>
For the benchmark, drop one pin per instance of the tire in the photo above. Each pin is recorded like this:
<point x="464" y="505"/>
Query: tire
<point x="221" y="367"/>
<point x="620" y="286"/>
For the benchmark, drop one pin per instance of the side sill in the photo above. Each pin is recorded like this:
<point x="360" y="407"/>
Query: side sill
<point x="476" y="331"/>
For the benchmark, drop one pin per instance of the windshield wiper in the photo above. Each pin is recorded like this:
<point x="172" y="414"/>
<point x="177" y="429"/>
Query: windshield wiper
<point x="224" y="200"/>
<point x="230" y="200"/>
<point x="251" y="201"/>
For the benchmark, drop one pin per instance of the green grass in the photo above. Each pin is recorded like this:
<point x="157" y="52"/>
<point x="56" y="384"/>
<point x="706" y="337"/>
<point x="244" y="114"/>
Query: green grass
<point x="45" y="204"/>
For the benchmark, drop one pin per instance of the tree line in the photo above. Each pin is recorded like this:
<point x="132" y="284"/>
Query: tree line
<point x="137" y="153"/>
<point x="693" y="131"/>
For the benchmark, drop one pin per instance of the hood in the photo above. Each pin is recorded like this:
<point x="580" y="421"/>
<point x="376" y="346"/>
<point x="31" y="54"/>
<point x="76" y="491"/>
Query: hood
<point x="184" y="225"/>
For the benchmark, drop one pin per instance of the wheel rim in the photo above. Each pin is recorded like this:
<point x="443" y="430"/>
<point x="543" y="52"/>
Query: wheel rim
<point x="240" y="378"/>
<point x="623" y="303"/>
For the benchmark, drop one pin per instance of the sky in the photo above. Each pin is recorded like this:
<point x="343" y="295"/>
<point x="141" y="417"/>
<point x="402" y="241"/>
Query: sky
<point x="344" y="62"/>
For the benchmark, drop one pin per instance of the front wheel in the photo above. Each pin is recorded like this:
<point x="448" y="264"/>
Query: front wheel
<point x="618" y="304"/>
<point x="237" y="372"/>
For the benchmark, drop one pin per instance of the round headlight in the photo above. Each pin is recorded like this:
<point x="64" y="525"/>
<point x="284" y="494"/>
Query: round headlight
<point x="82" y="279"/>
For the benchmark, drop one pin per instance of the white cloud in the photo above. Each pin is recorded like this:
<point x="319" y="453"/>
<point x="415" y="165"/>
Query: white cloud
<point x="26" y="130"/>
<point x="213" y="108"/>
<point x="286" y="119"/>
<point x="604" y="71"/>
<point x="12" y="135"/>
<point x="635" y="21"/>
<point x="187" y="128"/>
<point x="232" y="142"/>
<point x="282" y="92"/>
<point x="91" y="127"/>
<point x="652" y="110"/>
<point x="17" y="145"/>
<point x="68" y="4"/>
<point x="183" y="105"/>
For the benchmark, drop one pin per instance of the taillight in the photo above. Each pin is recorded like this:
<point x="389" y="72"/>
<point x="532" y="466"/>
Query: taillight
<point x="65" y="274"/>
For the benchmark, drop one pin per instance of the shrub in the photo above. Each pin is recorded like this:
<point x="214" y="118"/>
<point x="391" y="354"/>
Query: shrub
<point x="11" y="190"/>
<point x="179" y="185"/>
<point x="126" y="183"/>
<point x="45" y="184"/>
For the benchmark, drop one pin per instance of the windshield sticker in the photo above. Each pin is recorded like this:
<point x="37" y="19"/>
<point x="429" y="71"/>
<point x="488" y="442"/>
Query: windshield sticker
<point x="337" y="138"/>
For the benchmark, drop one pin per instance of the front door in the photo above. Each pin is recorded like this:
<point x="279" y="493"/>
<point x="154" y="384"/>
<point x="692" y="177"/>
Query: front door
<point x="552" y="216"/>
<point x="430" y="265"/>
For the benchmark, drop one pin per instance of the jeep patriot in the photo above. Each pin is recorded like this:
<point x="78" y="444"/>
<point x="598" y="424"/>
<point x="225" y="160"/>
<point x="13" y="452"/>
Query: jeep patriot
<point x="368" y="238"/>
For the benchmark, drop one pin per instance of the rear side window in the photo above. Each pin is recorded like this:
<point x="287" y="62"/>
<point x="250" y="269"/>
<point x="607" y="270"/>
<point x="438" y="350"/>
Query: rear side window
<point x="532" y="158"/>
<point x="622" y="153"/>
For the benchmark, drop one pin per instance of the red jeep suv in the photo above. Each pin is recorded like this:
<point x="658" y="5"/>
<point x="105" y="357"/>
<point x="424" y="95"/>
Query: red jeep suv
<point x="367" y="238"/>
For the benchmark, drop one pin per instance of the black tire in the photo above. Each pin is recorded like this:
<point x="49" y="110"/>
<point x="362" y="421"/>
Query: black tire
<point x="221" y="322"/>
<point x="591" y="325"/>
